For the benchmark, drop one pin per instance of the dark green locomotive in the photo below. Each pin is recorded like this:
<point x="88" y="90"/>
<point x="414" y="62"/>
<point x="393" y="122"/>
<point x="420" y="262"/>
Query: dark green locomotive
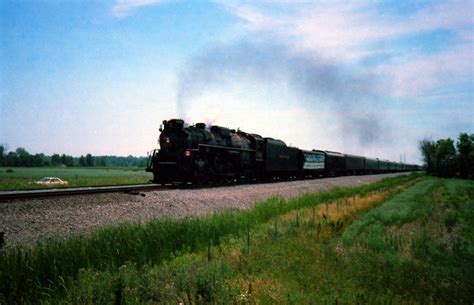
<point x="197" y="154"/>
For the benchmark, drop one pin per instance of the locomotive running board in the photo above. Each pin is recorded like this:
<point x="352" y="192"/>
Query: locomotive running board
<point x="227" y="147"/>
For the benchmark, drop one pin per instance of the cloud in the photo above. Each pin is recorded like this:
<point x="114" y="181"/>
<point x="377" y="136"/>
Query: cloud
<point x="421" y="74"/>
<point x="344" y="27"/>
<point x="124" y="8"/>
<point x="360" y="31"/>
<point x="252" y="18"/>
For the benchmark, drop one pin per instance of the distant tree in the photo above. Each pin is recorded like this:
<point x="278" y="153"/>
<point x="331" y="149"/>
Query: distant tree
<point x="428" y="151"/>
<point x="2" y="152"/>
<point x="465" y="147"/>
<point x="11" y="159"/>
<point x="69" y="161"/>
<point x="24" y="157"/>
<point x="21" y="157"/>
<point x="142" y="162"/>
<point x="38" y="160"/>
<point x="82" y="161"/>
<point x="100" y="161"/>
<point x="55" y="160"/>
<point x="89" y="160"/>
<point x="445" y="158"/>
<point x="63" y="159"/>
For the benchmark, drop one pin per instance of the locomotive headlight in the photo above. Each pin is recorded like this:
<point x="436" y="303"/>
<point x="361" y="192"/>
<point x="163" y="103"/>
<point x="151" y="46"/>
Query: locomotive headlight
<point x="187" y="153"/>
<point x="167" y="140"/>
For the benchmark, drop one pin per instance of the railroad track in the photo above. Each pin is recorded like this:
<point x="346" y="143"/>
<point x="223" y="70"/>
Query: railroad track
<point x="8" y="195"/>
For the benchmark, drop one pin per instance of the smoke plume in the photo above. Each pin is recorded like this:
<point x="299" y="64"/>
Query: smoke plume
<point x="316" y="82"/>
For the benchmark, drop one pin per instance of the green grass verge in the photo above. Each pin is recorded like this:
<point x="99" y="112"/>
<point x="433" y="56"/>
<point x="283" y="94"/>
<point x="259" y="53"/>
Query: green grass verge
<point x="420" y="246"/>
<point x="90" y="269"/>
<point x="23" y="177"/>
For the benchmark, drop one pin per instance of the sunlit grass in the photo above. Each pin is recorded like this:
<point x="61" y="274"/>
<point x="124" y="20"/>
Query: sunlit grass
<point x="311" y="227"/>
<point x="342" y="209"/>
<point x="400" y="252"/>
<point x="20" y="178"/>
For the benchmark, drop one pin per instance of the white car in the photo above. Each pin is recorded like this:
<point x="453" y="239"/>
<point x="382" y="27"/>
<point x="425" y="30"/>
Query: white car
<point x="51" y="180"/>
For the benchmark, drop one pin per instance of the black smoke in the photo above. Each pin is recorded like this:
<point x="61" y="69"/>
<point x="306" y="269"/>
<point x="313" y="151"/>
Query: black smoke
<point x="351" y="95"/>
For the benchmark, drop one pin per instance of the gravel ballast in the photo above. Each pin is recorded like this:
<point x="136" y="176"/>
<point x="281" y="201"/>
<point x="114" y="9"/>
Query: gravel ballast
<point x="26" y="221"/>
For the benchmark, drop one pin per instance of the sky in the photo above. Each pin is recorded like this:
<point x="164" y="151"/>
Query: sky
<point x="360" y="77"/>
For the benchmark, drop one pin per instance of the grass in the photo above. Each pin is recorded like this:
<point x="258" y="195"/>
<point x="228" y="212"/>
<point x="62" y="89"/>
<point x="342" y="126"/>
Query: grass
<point x="392" y="242"/>
<point x="43" y="269"/>
<point x="407" y="250"/>
<point x="22" y="177"/>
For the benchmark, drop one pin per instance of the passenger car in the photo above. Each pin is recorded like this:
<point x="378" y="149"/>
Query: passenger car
<point x="51" y="181"/>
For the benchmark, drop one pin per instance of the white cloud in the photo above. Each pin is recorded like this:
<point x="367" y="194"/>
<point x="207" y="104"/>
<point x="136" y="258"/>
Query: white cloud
<point x="422" y="73"/>
<point x="124" y="8"/>
<point x="347" y="27"/>
<point x="351" y="31"/>
<point x="253" y="19"/>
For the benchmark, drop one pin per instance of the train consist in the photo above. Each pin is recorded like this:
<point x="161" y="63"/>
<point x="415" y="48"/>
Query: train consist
<point x="196" y="154"/>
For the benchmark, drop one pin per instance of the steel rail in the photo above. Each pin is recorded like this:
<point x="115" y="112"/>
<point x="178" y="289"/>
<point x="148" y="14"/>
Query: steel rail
<point x="8" y="195"/>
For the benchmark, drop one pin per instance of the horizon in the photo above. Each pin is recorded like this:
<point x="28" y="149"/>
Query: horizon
<point x="364" y="78"/>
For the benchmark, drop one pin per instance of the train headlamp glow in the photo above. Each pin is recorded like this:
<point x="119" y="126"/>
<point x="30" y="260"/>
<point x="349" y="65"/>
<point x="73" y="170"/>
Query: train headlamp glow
<point x="167" y="140"/>
<point x="187" y="153"/>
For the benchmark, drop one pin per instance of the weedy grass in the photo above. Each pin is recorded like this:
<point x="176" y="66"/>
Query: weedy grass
<point x="416" y="254"/>
<point x="90" y="269"/>
<point x="20" y="178"/>
<point x="406" y="250"/>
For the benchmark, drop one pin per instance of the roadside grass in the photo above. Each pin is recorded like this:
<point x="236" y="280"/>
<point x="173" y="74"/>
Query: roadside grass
<point x="58" y="268"/>
<point x="21" y="178"/>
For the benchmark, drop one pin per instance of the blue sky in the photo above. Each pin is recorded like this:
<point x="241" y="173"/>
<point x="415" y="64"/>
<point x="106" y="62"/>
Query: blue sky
<point x="363" y="77"/>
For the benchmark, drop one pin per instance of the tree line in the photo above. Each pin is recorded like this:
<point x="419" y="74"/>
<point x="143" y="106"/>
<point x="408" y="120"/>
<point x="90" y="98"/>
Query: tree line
<point x="22" y="158"/>
<point x="444" y="158"/>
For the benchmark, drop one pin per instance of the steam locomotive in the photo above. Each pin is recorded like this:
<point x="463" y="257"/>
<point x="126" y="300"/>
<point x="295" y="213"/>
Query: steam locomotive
<point x="200" y="155"/>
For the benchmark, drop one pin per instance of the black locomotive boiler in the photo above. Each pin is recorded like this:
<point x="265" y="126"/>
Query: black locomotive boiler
<point x="197" y="154"/>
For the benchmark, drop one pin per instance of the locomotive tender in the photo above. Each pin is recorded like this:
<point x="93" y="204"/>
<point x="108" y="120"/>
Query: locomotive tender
<point x="196" y="154"/>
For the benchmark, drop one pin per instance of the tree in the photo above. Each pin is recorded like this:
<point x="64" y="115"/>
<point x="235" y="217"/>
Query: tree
<point x="38" y="160"/>
<point x="142" y="162"/>
<point x="428" y="150"/>
<point x="101" y="161"/>
<point x="63" y="159"/>
<point x="89" y="160"/>
<point x="69" y="161"/>
<point x="82" y="161"/>
<point x="445" y="158"/>
<point x="465" y="147"/>
<point x="2" y="157"/>
<point x="55" y="160"/>
<point x="24" y="158"/>
<point x="11" y="159"/>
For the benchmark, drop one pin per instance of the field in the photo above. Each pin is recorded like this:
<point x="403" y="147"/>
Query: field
<point x="403" y="240"/>
<point x="21" y="178"/>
